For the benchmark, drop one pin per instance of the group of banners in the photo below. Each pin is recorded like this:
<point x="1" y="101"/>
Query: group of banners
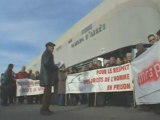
<point x="143" y="73"/>
<point x="112" y="79"/>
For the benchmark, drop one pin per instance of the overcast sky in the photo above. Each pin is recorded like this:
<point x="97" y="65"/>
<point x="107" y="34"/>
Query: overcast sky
<point x="26" y="25"/>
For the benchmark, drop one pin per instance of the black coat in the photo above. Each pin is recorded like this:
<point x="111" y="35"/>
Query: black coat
<point x="48" y="69"/>
<point x="8" y="77"/>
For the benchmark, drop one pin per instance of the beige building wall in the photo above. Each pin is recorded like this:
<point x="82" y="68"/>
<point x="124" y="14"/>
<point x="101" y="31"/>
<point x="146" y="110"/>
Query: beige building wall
<point x="111" y="25"/>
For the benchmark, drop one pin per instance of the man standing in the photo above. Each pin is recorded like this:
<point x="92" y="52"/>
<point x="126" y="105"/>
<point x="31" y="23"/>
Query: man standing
<point x="47" y="75"/>
<point x="8" y="83"/>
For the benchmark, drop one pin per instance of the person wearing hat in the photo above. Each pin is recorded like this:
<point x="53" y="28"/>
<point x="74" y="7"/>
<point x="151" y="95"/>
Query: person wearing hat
<point x="47" y="77"/>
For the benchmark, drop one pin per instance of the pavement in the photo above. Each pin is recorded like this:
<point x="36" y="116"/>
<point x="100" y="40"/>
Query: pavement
<point x="80" y="112"/>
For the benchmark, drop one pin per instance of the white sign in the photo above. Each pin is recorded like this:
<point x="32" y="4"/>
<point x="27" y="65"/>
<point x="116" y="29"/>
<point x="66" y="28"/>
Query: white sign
<point x="112" y="79"/>
<point x="146" y="74"/>
<point x="28" y="87"/>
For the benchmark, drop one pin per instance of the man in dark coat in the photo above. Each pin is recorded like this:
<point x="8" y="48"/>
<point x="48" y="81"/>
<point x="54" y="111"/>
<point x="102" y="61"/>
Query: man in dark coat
<point x="8" y="84"/>
<point x="47" y="77"/>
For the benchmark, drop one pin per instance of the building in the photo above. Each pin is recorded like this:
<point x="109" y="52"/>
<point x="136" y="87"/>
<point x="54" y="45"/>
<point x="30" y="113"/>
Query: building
<point x="112" y="25"/>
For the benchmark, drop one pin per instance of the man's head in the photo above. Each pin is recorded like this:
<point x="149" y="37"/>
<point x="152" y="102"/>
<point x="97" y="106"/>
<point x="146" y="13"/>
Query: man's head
<point x="152" y="39"/>
<point x="30" y="71"/>
<point x="23" y="69"/>
<point x="50" y="46"/>
<point x="128" y="57"/>
<point x="139" y="47"/>
<point x="112" y="60"/>
<point x="10" y="66"/>
<point x="37" y="73"/>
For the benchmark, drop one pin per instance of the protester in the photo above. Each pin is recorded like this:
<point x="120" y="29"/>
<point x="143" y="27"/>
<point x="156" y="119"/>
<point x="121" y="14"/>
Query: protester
<point x="82" y="97"/>
<point x="128" y="57"/>
<point x="119" y="61"/>
<point x="2" y="90"/>
<point x="21" y="75"/>
<point x="152" y="39"/>
<point x="8" y="83"/>
<point x="30" y="73"/>
<point x="98" y="64"/>
<point x="73" y="97"/>
<point x="36" y="76"/>
<point x="62" y="76"/>
<point x="112" y="62"/>
<point x="140" y="49"/>
<point x="48" y="68"/>
<point x="30" y="97"/>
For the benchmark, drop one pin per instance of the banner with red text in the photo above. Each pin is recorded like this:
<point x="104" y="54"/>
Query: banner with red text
<point x="28" y="87"/>
<point x="146" y="74"/>
<point x="112" y="79"/>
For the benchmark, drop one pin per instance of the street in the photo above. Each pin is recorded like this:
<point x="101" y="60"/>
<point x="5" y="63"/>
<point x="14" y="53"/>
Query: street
<point x="81" y="112"/>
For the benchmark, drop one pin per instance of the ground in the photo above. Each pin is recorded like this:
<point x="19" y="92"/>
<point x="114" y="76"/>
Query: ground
<point x="80" y="112"/>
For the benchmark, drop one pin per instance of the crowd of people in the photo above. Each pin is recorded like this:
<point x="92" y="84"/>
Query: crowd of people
<point x="114" y="98"/>
<point x="8" y="82"/>
<point x="8" y="85"/>
<point x="118" y="59"/>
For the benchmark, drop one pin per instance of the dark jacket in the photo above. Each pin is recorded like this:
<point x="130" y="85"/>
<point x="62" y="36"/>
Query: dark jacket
<point x="48" y="69"/>
<point x="8" y="77"/>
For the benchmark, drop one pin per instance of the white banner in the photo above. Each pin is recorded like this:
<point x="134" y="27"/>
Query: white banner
<point x="28" y="87"/>
<point x="146" y="74"/>
<point x="113" y="79"/>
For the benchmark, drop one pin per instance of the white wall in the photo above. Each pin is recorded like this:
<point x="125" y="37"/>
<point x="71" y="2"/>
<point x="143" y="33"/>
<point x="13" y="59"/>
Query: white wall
<point x="128" y="23"/>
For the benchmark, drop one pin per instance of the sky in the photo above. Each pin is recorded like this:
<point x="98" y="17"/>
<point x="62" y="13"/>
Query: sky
<point x="26" y="25"/>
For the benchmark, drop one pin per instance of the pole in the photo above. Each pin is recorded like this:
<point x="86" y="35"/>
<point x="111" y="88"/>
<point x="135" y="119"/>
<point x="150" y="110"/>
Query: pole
<point x="95" y="99"/>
